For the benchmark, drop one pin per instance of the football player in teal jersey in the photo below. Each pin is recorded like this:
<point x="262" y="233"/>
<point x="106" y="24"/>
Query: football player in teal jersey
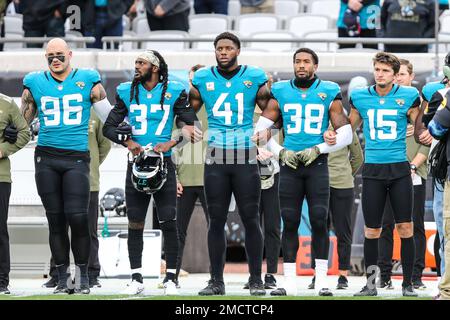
<point x="151" y="103"/>
<point x="61" y="98"/>
<point x="385" y="108"/>
<point x="306" y="105"/>
<point x="230" y="92"/>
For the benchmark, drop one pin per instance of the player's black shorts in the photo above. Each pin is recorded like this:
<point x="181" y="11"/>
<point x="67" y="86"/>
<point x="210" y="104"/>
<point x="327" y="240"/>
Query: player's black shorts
<point x="62" y="182"/>
<point x="165" y="198"/>
<point x="380" y="181"/>
<point x="311" y="182"/>
<point x="232" y="171"/>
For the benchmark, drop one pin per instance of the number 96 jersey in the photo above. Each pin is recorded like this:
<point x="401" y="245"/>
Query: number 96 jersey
<point x="385" y="121"/>
<point x="305" y="112"/>
<point x="63" y="107"/>
<point x="230" y="104"/>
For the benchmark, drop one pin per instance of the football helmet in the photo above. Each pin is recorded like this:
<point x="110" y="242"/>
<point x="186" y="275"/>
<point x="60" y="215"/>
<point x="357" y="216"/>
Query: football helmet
<point x="267" y="173"/>
<point x="446" y="68"/>
<point x="149" y="171"/>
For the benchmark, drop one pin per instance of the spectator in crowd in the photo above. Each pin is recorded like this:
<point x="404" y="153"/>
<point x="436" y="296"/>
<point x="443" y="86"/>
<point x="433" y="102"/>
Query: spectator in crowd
<point x="211" y="6"/>
<point x="407" y="19"/>
<point x="103" y="18"/>
<point x="358" y="18"/>
<point x="43" y="18"/>
<point x="256" y="6"/>
<point x="168" y="14"/>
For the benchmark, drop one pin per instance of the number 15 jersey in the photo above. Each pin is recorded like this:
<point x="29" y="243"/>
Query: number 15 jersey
<point x="385" y="121"/>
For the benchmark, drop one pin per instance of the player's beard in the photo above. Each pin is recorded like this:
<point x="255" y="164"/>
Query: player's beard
<point x="228" y="65"/>
<point x="305" y="81"/>
<point x="144" y="78"/>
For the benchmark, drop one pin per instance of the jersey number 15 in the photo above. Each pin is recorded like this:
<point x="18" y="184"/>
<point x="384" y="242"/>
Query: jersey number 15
<point x="391" y="125"/>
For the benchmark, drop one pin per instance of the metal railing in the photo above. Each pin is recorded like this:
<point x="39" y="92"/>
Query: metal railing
<point x="32" y="40"/>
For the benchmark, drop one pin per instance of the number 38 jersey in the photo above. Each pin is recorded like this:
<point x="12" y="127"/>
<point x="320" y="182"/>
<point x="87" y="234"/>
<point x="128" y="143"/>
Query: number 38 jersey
<point x="150" y="123"/>
<point x="385" y="121"/>
<point x="63" y="107"/>
<point x="230" y="105"/>
<point x="305" y="112"/>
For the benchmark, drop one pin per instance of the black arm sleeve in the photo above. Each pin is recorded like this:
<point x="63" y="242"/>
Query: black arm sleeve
<point x="115" y="117"/>
<point x="433" y="105"/>
<point x="185" y="114"/>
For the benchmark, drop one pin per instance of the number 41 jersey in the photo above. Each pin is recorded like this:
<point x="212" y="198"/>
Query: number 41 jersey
<point x="230" y="104"/>
<point x="305" y="112"/>
<point x="385" y="121"/>
<point x="63" y="107"/>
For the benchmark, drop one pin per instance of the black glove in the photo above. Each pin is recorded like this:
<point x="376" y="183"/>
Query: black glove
<point x="10" y="133"/>
<point x="123" y="132"/>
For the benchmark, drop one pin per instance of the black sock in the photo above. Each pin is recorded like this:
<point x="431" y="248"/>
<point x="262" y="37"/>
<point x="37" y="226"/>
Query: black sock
<point x="83" y="269"/>
<point x="138" y="277"/>
<point x="170" y="276"/>
<point x="135" y="247"/>
<point x="169" y="231"/>
<point x="407" y="253"/>
<point x="370" y="259"/>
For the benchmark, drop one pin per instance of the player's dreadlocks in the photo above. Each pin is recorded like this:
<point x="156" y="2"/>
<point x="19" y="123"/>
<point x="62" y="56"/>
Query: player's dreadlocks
<point x="163" y="77"/>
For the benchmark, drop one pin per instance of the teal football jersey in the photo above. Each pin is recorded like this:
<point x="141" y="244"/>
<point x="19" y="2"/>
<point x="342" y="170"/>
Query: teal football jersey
<point x="430" y="88"/>
<point x="230" y="104"/>
<point x="63" y="107"/>
<point x="150" y="123"/>
<point x="385" y="121"/>
<point x="305" y="112"/>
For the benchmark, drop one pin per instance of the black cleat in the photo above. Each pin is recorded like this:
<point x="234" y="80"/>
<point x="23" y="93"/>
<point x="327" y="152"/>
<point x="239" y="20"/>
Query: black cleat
<point x="256" y="287"/>
<point x="94" y="283"/>
<point x="83" y="287"/>
<point x="51" y="283"/>
<point x="62" y="288"/>
<point x="385" y="284"/>
<point x="418" y="284"/>
<point x="325" y="292"/>
<point x="246" y="286"/>
<point x="278" y="292"/>
<point x="270" y="282"/>
<point x="4" y="289"/>
<point x="366" y="292"/>
<point x="312" y="285"/>
<point x="214" y="288"/>
<point x="342" y="283"/>
<point x="408" y="291"/>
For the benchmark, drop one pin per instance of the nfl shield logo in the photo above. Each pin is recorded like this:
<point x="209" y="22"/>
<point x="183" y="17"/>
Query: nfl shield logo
<point x="210" y="86"/>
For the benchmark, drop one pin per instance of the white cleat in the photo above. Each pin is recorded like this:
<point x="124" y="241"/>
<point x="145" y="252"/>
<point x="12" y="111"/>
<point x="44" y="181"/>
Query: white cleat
<point x="134" y="288"/>
<point x="170" y="288"/>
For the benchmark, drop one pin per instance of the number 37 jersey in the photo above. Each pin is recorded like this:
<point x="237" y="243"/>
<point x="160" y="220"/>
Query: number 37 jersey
<point x="385" y="121"/>
<point x="230" y="104"/>
<point x="305" y="112"/>
<point x="63" y="107"/>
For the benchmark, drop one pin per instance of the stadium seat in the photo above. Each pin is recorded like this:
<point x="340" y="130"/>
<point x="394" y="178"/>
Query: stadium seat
<point x="321" y="47"/>
<point x="304" y="23"/>
<point x="204" y="46"/>
<point x="126" y="23"/>
<point x="13" y="46"/>
<point x="13" y="23"/>
<point x="271" y="46"/>
<point x="247" y="24"/>
<point x="330" y="8"/>
<point x="208" y="24"/>
<point x="140" y="26"/>
<point x="75" y="34"/>
<point x="286" y="8"/>
<point x="445" y="23"/>
<point x="128" y="45"/>
<point x="165" y="46"/>
<point x="234" y="8"/>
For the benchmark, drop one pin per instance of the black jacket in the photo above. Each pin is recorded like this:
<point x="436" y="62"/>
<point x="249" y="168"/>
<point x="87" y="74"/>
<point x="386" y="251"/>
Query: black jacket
<point x="115" y="8"/>
<point x="407" y="19"/>
<point x="35" y="12"/>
